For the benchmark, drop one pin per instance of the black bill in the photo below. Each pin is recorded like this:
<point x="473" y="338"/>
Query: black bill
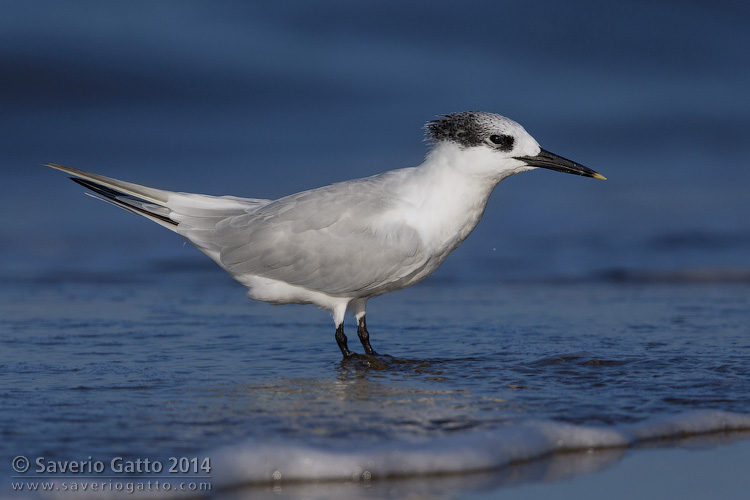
<point x="551" y="161"/>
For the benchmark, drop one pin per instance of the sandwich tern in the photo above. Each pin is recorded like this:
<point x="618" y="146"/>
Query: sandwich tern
<point x="338" y="246"/>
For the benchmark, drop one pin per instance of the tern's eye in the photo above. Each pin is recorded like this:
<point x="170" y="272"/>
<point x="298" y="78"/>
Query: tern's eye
<point x="503" y="142"/>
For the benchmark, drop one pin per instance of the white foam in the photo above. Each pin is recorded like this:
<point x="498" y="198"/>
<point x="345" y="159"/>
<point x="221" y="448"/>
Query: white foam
<point x="254" y="463"/>
<point x="332" y="473"/>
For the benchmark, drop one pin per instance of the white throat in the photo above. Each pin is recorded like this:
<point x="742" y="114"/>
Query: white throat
<point x="448" y="194"/>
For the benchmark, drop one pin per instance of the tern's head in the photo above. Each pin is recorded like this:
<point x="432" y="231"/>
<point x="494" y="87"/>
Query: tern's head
<point x="496" y="146"/>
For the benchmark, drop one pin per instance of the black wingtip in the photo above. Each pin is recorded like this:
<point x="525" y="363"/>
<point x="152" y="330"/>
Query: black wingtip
<point x="122" y="200"/>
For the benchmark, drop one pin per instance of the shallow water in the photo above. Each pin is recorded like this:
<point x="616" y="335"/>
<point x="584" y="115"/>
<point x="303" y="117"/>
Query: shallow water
<point x="578" y="311"/>
<point x="180" y="363"/>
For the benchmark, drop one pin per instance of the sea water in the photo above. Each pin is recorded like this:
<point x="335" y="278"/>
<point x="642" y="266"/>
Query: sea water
<point x="474" y="378"/>
<point x="581" y="321"/>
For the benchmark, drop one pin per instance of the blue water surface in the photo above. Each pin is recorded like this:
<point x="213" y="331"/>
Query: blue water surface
<point x="574" y="301"/>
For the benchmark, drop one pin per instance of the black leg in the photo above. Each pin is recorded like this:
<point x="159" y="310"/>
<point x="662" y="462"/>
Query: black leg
<point x="364" y="337"/>
<point x="341" y="340"/>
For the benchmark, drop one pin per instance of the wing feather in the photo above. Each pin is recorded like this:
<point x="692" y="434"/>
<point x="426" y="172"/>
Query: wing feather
<point x="343" y="239"/>
<point x="336" y="240"/>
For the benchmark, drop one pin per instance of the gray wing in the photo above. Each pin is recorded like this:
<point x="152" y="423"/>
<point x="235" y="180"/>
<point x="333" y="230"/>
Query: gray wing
<point x="337" y="239"/>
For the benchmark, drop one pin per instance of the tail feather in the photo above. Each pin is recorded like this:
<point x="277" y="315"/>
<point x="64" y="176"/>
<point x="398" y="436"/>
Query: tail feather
<point x="142" y="200"/>
<point x="156" y="196"/>
<point x="194" y="216"/>
<point x="156" y="213"/>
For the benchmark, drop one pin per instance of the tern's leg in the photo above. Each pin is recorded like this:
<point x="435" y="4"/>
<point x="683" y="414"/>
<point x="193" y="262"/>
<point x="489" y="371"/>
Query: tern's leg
<point x="364" y="336"/>
<point x="338" y="313"/>
<point x="341" y="340"/>
<point x="358" y="308"/>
